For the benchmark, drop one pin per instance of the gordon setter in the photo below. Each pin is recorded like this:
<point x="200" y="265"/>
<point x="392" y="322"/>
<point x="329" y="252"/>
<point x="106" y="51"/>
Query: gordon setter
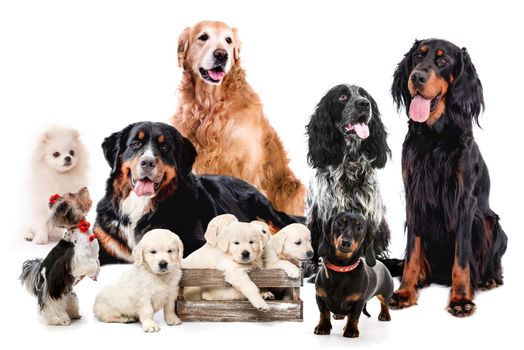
<point x="453" y="236"/>
<point x="347" y="144"/>
<point x="151" y="185"/>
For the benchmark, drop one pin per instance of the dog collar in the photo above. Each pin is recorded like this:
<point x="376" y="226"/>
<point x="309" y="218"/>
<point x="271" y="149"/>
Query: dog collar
<point x="341" y="268"/>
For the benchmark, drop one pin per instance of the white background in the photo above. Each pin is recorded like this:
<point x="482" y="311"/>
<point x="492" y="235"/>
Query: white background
<point x="99" y="65"/>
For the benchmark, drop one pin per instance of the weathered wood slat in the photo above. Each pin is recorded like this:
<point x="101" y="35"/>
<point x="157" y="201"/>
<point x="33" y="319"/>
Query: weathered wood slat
<point x="238" y="311"/>
<point x="215" y="278"/>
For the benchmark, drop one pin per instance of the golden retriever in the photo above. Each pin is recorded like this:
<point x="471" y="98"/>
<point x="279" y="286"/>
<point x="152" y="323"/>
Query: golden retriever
<point x="222" y="116"/>
<point x="150" y="285"/>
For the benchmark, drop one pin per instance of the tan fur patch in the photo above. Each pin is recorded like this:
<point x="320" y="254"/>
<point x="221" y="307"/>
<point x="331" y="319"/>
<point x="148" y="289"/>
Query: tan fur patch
<point x="141" y="135"/>
<point x="353" y="297"/>
<point x="321" y="292"/>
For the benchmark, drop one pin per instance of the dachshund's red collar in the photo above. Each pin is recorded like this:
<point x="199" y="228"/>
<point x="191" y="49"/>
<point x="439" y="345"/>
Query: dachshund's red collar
<point x="341" y="268"/>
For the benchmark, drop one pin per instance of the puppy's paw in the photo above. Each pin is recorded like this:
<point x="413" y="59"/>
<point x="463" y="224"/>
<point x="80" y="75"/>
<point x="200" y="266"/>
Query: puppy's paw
<point x="461" y="307"/>
<point x="293" y="273"/>
<point x="260" y="305"/>
<point x="41" y="239"/>
<point x="150" y="326"/>
<point x="267" y="295"/>
<point x="172" y="320"/>
<point x="323" y="328"/>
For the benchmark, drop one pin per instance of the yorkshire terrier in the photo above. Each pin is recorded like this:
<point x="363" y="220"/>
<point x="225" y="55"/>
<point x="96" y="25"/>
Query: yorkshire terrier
<point x="75" y="256"/>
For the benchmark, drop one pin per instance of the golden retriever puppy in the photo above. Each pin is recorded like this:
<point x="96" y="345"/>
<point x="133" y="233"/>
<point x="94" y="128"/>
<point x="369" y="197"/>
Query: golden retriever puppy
<point x="148" y="286"/>
<point x="222" y="116"/>
<point x="234" y="248"/>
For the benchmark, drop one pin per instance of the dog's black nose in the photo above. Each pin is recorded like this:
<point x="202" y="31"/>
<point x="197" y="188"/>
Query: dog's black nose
<point x="147" y="162"/>
<point x="245" y="254"/>
<point x="363" y="104"/>
<point x="220" y="55"/>
<point x="162" y="264"/>
<point x="345" y="243"/>
<point x="419" y="78"/>
<point x="67" y="159"/>
<point x="309" y="254"/>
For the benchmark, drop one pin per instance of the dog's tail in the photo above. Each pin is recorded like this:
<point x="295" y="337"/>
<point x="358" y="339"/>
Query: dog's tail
<point x="395" y="266"/>
<point x="31" y="277"/>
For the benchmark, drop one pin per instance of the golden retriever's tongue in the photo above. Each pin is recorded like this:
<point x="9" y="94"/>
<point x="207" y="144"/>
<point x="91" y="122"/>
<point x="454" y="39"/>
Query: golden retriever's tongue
<point x="419" y="109"/>
<point x="362" y="130"/>
<point x="216" y="75"/>
<point x="144" y="187"/>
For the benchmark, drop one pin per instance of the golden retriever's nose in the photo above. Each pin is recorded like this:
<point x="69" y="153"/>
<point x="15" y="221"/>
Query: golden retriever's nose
<point x="309" y="254"/>
<point x="245" y="254"/>
<point x="162" y="264"/>
<point x="220" y="55"/>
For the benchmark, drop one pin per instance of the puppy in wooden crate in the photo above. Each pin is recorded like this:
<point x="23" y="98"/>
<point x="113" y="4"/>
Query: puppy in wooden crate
<point x="235" y="248"/>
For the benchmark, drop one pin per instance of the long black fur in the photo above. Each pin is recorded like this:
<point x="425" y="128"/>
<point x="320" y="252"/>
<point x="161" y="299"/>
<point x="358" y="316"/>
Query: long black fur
<point x="446" y="179"/>
<point x="186" y="205"/>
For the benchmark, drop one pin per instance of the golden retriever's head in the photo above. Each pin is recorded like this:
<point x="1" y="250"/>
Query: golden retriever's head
<point x="208" y="50"/>
<point x="160" y="251"/>
<point x="293" y="242"/>
<point x="243" y="241"/>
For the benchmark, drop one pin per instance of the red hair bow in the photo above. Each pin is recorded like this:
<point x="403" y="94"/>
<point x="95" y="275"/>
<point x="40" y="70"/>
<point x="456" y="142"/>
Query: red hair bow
<point x="83" y="226"/>
<point x="54" y="198"/>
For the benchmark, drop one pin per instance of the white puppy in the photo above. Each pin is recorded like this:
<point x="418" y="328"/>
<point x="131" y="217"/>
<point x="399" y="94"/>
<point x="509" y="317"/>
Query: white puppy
<point x="59" y="165"/>
<point x="148" y="286"/>
<point x="234" y="248"/>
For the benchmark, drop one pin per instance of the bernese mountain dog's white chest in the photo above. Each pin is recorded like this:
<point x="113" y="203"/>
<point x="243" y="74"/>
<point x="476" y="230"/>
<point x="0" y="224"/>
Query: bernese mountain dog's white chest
<point x="133" y="207"/>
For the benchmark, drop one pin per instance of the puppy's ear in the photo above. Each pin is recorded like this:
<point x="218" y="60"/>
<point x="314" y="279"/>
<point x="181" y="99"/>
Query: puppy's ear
<point x="223" y="242"/>
<point x="264" y="230"/>
<point x="325" y="142"/>
<point x="215" y="225"/>
<point x="138" y="254"/>
<point x="76" y="134"/>
<point x="325" y="245"/>
<point x="237" y="44"/>
<point x="183" y="46"/>
<point x="44" y="138"/>
<point x="375" y="147"/>
<point x="399" y="88"/>
<point x="278" y="239"/>
<point x="370" y="255"/>
<point x="84" y="192"/>
<point x="114" y="145"/>
<point x="180" y="247"/>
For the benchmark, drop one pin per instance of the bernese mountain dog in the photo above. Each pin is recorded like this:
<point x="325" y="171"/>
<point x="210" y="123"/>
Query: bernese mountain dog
<point x="151" y="185"/>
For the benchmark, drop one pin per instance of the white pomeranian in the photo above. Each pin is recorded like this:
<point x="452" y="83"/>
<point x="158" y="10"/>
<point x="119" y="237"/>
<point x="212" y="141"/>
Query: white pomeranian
<point x="59" y="165"/>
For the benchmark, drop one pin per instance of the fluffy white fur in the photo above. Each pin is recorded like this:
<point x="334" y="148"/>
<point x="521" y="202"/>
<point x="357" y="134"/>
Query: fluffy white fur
<point x="50" y="175"/>
<point x="226" y="240"/>
<point x="146" y="287"/>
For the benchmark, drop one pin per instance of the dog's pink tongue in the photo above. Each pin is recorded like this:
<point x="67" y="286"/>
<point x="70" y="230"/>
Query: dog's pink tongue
<point x="216" y="75"/>
<point x="362" y="130"/>
<point x="419" y="109"/>
<point x="144" y="187"/>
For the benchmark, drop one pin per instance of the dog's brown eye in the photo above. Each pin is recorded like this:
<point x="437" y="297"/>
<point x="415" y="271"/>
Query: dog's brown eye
<point x="441" y="62"/>
<point x="264" y="231"/>
<point x="203" y="37"/>
<point x="298" y="242"/>
<point x="236" y="243"/>
<point x="251" y="242"/>
<point x="136" y="144"/>
<point x="163" y="148"/>
<point x="72" y="153"/>
<point x="342" y="98"/>
<point x="228" y="40"/>
<point x="418" y="56"/>
<point x="56" y="154"/>
<point x="152" y="251"/>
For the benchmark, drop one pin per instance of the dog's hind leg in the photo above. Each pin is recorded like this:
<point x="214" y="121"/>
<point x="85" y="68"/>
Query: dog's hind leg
<point x="72" y="306"/>
<point x="384" y="309"/>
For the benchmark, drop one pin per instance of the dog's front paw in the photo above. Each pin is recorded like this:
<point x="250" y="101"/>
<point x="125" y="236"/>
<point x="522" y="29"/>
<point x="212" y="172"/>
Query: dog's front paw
<point x="461" y="308"/>
<point x="150" y="326"/>
<point x="41" y="239"/>
<point x="323" y="328"/>
<point x="59" y="321"/>
<point x="267" y="295"/>
<point x="292" y="272"/>
<point x="260" y="305"/>
<point x="172" y="320"/>
<point x="403" y="298"/>
<point x="29" y="235"/>
<point x="351" y="332"/>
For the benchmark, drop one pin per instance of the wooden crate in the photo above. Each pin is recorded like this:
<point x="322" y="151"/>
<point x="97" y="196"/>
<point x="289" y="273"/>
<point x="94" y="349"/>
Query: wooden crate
<point x="239" y="310"/>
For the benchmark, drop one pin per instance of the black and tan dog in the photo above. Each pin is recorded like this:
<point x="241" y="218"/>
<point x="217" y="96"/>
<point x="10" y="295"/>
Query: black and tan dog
<point x="346" y="283"/>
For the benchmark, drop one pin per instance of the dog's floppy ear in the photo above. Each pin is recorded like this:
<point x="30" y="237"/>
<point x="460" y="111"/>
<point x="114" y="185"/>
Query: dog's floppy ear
<point x="223" y="242"/>
<point x="184" y="152"/>
<point x="264" y="229"/>
<point x="183" y="46"/>
<point x="465" y="95"/>
<point x="217" y="224"/>
<point x="180" y="247"/>
<point x="138" y="254"/>
<point x="237" y="44"/>
<point x="325" y="245"/>
<point x="114" y="145"/>
<point x="399" y="88"/>
<point x="375" y="147"/>
<point x="278" y="240"/>
<point x="370" y="255"/>
<point x="325" y="142"/>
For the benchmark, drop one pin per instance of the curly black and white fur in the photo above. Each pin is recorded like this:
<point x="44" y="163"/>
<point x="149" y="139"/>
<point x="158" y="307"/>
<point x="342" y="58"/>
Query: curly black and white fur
<point x="347" y="142"/>
<point x="52" y="279"/>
